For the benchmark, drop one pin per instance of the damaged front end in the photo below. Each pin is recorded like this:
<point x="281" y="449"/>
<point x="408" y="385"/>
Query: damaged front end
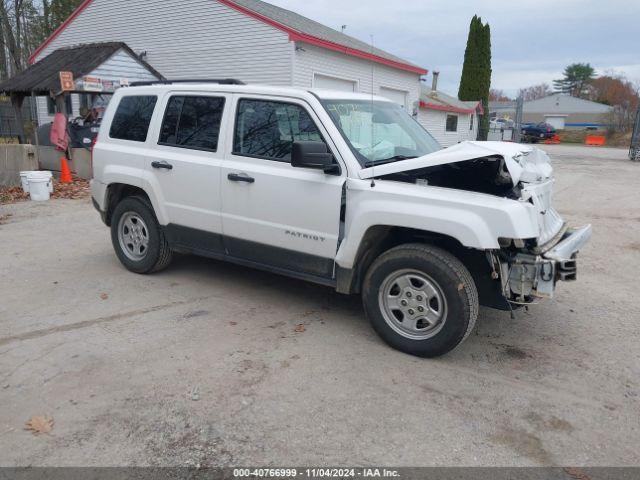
<point x="527" y="269"/>
<point x="527" y="274"/>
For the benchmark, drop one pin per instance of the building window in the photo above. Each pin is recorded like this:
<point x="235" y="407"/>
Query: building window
<point x="192" y="122"/>
<point x="267" y="129"/>
<point x="132" y="118"/>
<point x="452" y="123"/>
<point x="51" y="105"/>
<point x="471" y="122"/>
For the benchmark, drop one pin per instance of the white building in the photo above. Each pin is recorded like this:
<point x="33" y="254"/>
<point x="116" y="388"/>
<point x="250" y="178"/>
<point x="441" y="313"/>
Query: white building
<point x="448" y="119"/>
<point x="250" y="40"/>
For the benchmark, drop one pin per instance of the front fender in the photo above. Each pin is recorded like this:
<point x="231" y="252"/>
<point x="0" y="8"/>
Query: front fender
<point x="475" y="220"/>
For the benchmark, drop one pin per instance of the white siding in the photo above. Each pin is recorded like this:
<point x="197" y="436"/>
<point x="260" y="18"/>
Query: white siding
<point x="434" y="121"/>
<point x="310" y="60"/>
<point x="122" y="65"/>
<point x="186" y="39"/>
<point x="43" y="110"/>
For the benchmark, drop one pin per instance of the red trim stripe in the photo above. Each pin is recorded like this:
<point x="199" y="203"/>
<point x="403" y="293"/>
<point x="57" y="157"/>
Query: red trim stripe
<point x="447" y="108"/>
<point x="294" y="36"/>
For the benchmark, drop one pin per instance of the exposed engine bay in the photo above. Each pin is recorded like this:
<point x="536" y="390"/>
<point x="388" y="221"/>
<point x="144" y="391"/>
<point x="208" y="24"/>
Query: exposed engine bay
<point x="483" y="175"/>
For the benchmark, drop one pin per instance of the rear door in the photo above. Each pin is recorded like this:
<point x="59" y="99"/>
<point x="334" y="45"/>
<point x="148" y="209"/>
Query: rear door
<point x="272" y="213"/>
<point x="185" y="164"/>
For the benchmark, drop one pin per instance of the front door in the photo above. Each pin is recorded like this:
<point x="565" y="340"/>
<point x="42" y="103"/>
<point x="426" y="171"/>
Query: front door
<point x="272" y="213"/>
<point x="185" y="164"/>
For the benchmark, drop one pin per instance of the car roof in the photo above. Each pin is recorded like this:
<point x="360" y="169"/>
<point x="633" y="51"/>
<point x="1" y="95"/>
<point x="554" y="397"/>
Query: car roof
<point x="296" y="92"/>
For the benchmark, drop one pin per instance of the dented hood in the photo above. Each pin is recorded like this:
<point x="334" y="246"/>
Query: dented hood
<point x="525" y="163"/>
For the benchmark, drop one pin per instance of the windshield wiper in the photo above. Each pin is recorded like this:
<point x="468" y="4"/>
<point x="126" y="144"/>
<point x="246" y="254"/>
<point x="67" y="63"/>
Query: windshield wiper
<point x="396" y="158"/>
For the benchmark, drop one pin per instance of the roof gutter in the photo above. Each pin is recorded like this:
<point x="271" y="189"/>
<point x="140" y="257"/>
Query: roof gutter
<point x="446" y="108"/>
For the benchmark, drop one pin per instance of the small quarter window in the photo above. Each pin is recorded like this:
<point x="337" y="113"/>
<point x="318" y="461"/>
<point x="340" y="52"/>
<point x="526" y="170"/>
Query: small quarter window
<point x="267" y="129"/>
<point x="132" y="118"/>
<point x="471" y="122"/>
<point x="192" y="122"/>
<point x="452" y="123"/>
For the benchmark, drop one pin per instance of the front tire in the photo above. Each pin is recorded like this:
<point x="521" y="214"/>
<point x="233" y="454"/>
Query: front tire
<point x="420" y="299"/>
<point x="137" y="237"/>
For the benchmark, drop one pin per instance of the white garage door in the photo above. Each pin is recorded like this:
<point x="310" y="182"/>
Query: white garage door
<point x="334" y="83"/>
<point x="397" y="96"/>
<point x="556" y="121"/>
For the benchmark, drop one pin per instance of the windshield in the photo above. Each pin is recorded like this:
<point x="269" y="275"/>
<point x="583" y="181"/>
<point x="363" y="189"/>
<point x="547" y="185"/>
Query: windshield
<point x="380" y="132"/>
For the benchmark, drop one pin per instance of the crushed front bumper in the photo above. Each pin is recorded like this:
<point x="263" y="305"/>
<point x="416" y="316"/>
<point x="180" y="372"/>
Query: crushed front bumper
<point x="529" y="276"/>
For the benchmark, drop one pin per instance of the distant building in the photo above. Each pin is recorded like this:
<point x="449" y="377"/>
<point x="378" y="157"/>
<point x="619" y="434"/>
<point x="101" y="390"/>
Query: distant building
<point x="445" y="117"/>
<point x="561" y="111"/>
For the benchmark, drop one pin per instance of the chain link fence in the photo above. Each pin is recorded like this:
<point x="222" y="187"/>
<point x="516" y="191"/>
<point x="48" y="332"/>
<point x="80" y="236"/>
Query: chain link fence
<point x="634" y="150"/>
<point x="8" y="124"/>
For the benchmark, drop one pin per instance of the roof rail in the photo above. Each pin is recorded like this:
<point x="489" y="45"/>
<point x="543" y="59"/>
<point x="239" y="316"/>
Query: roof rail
<point x="219" y="81"/>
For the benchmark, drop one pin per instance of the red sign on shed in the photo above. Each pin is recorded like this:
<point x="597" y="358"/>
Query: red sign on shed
<point x="66" y="82"/>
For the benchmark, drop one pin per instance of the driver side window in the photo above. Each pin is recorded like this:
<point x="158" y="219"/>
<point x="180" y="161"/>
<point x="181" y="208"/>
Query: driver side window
<point x="267" y="129"/>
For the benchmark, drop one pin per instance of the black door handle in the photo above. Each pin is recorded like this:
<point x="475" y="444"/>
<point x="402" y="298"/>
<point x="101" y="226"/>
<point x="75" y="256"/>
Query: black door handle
<point x="240" y="177"/>
<point x="165" y="165"/>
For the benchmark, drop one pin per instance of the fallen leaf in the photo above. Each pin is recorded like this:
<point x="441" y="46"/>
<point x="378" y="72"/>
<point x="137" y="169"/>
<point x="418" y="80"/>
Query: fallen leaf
<point x="39" y="424"/>
<point x="576" y="473"/>
<point x="104" y="296"/>
<point x="300" y="328"/>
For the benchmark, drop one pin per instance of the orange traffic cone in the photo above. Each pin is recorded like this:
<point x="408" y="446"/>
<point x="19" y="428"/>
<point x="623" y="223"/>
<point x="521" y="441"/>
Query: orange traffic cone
<point x="65" y="172"/>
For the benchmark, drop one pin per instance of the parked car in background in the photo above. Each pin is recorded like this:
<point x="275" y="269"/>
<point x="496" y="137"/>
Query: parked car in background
<point x="501" y="123"/>
<point x="536" y="132"/>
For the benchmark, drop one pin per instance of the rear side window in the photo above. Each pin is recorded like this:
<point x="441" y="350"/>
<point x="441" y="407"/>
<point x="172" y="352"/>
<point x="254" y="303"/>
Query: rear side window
<point x="132" y="118"/>
<point x="192" y="122"/>
<point x="267" y="129"/>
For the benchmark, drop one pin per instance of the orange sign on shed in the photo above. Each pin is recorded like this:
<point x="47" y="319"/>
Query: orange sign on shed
<point x="66" y="81"/>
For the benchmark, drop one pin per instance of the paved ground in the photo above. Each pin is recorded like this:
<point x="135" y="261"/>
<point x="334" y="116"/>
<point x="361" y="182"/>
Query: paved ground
<point x="202" y="363"/>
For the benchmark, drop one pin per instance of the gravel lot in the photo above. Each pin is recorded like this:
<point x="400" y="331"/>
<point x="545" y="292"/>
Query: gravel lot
<point x="206" y="364"/>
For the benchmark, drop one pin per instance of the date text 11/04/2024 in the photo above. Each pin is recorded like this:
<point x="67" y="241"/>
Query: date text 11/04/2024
<point x="314" y="473"/>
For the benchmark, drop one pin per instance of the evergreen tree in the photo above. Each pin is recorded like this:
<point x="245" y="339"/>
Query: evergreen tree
<point x="576" y="80"/>
<point x="476" y="71"/>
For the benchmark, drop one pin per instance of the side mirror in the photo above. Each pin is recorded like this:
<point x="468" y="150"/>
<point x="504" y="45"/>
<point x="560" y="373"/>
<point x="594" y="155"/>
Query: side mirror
<point x="313" y="155"/>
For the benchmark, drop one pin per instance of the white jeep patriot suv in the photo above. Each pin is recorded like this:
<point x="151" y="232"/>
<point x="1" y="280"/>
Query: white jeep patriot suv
<point x="336" y="188"/>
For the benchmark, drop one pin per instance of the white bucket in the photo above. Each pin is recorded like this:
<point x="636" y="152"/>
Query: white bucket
<point x="40" y="186"/>
<point x="38" y="173"/>
<point x="24" y="181"/>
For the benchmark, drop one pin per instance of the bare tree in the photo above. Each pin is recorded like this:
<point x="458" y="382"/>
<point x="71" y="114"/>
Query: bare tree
<point x="496" y="95"/>
<point x="12" y="29"/>
<point x="535" y="92"/>
<point x="3" y="54"/>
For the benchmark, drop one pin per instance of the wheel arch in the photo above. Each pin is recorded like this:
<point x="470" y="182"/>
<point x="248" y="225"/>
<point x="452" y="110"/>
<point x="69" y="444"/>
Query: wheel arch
<point x="116" y="192"/>
<point x="381" y="238"/>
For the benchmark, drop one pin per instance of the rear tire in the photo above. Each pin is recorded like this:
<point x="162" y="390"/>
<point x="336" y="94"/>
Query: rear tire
<point x="137" y="237"/>
<point x="420" y="299"/>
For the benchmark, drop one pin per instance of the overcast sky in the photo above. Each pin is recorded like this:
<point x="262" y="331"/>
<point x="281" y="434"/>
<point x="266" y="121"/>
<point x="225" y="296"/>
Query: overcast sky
<point x="532" y="41"/>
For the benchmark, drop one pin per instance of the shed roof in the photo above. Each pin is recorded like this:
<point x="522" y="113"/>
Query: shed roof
<point x="437" y="100"/>
<point x="297" y="26"/>
<point x="43" y="77"/>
